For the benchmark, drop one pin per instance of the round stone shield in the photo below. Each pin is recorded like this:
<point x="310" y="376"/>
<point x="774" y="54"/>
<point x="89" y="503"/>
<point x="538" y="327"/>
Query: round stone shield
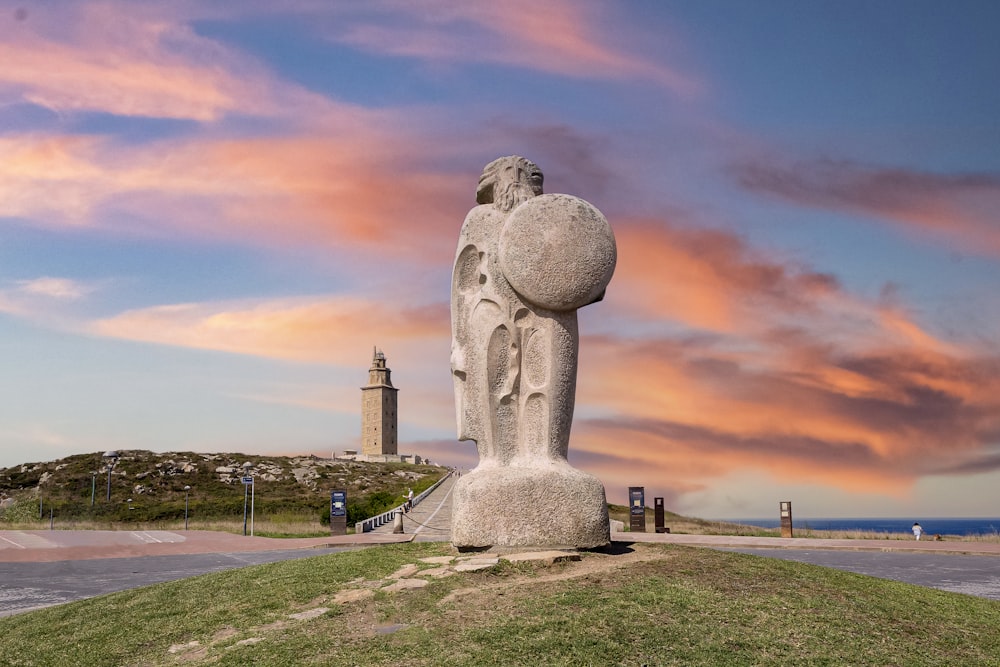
<point x="557" y="251"/>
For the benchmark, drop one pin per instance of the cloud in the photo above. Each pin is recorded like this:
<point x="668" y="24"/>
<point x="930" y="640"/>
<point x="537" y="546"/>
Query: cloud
<point x="333" y="330"/>
<point x="739" y="359"/>
<point x="685" y="410"/>
<point x="707" y="385"/>
<point x="43" y="299"/>
<point x="345" y="183"/>
<point x="134" y="59"/>
<point x="959" y="209"/>
<point x="56" y="288"/>
<point x="562" y="38"/>
<point x="708" y="279"/>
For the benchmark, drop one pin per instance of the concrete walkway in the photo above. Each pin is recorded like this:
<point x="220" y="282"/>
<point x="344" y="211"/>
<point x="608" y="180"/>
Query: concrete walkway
<point x="429" y="521"/>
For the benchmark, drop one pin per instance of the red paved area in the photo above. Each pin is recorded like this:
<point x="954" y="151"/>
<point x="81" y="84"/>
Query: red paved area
<point x="24" y="546"/>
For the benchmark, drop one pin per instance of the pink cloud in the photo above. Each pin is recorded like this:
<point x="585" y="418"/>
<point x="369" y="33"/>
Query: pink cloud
<point x="750" y="361"/>
<point x="959" y="209"/>
<point x="564" y="38"/>
<point x="131" y="60"/>
<point x="345" y="185"/>
<point x="858" y="407"/>
<point x="334" y="330"/>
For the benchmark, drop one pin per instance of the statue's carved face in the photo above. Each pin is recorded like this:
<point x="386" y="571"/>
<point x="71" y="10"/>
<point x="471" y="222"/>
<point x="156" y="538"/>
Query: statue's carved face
<point x="509" y="181"/>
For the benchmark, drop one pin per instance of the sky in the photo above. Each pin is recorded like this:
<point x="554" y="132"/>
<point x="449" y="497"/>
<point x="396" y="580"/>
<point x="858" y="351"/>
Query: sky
<point x="211" y="213"/>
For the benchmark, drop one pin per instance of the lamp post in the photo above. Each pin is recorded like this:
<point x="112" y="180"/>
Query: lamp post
<point x="246" y="472"/>
<point x="93" y="486"/>
<point x="187" y="490"/>
<point x="112" y="458"/>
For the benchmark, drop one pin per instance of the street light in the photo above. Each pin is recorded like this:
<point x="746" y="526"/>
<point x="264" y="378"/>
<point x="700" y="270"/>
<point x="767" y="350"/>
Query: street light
<point x="93" y="486"/>
<point x="187" y="489"/>
<point x="246" y="473"/>
<point x="112" y="457"/>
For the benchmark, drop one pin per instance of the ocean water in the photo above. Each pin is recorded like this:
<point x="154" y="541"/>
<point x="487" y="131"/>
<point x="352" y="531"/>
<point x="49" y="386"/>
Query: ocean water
<point x="960" y="526"/>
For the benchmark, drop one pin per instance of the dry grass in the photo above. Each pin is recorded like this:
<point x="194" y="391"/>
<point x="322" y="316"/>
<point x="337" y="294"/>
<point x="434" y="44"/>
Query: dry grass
<point x="647" y="605"/>
<point x="266" y="527"/>
<point x="689" y="526"/>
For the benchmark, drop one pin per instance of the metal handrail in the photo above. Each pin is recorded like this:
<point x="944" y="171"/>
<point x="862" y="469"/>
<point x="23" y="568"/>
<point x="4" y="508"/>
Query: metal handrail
<point x="371" y="523"/>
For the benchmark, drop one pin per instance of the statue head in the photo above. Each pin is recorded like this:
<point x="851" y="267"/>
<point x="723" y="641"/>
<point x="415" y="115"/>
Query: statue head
<point x="509" y="181"/>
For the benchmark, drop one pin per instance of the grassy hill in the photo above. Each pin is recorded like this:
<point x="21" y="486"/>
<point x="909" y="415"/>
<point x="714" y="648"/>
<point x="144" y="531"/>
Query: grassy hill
<point x="640" y="605"/>
<point x="75" y="488"/>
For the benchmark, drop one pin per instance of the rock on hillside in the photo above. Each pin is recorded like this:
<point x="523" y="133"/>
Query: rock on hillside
<point x="161" y="477"/>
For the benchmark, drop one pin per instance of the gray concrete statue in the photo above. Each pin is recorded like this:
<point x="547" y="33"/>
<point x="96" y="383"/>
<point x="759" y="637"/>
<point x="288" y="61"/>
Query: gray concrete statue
<point x="526" y="262"/>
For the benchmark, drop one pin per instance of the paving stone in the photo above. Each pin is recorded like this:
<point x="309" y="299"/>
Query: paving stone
<point x="405" y="584"/>
<point x="476" y="564"/>
<point x="353" y="595"/>
<point x="405" y="571"/>
<point x="545" y="557"/>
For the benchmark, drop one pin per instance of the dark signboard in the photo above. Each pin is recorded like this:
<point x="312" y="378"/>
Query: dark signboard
<point x="338" y="512"/>
<point x="637" y="508"/>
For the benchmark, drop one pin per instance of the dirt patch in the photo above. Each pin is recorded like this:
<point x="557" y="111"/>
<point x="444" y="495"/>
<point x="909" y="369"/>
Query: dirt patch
<point x="590" y="565"/>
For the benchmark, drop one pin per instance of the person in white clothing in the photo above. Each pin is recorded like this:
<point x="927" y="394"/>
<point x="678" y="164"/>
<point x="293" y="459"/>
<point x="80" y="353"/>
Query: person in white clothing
<point x="409" y="500"/>
<point x="917" y="530"/>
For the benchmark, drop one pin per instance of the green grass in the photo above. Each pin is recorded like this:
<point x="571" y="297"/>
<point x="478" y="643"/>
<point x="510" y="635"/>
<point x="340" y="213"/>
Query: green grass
<point x="659" y="605"/>
<point x="154" y="482"/>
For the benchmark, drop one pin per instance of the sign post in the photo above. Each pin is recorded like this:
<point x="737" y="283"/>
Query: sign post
<point x="658" y="516"/>
<point x="637" y="509"/>
<point x="247" y="486"/>
<point x="338" y="513"/>
<point x="786" y="518"/>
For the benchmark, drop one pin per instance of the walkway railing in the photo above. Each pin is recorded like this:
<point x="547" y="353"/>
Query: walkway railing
<point x="374" y="522"/>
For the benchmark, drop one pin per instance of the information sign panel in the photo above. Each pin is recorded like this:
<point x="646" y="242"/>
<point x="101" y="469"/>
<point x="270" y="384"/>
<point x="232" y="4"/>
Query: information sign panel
<point x="637" y="509"/>
<point x="338" y="512"/>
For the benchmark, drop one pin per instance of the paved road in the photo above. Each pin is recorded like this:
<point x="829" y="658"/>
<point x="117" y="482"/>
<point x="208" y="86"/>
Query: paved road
<point x="27" y="586"/>
<point x="42" y="568"/>
<point x="958" y="573"/>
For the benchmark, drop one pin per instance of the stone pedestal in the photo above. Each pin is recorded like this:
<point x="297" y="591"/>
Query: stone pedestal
<point x="545" y="506"/>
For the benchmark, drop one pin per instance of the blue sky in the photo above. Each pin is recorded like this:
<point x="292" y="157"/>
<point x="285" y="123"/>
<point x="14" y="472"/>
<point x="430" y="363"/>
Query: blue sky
<point x="210" y="213"/>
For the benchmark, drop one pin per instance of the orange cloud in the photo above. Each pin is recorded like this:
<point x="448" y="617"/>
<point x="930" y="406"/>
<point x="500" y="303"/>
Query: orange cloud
<point x="684" y="413"/>
<point x="335" y="330"/>
<point x="957" y="208"/>
<point x="348" y="183"/>
<point x="709" y="279"/>
<point x="130" y="60"/>
<point x="746" y="361"/>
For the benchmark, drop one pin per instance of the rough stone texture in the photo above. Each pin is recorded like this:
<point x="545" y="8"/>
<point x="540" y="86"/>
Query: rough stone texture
<point x="557" y="506"/>
<point x="476" y="564"/>
<point x="405" y="584"/>
<point x="557" y="251"/>
<point x="544" y="557"/>
<point x="525" y="262"/>
<point x="405" y="571"/>
<point x="353" y="595"/>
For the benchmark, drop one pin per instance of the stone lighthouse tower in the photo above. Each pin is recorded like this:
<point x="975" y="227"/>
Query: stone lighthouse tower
<point x="378" y="410"/>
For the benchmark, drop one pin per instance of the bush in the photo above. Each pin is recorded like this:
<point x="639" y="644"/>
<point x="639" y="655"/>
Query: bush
<point x="22" y="511"/>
